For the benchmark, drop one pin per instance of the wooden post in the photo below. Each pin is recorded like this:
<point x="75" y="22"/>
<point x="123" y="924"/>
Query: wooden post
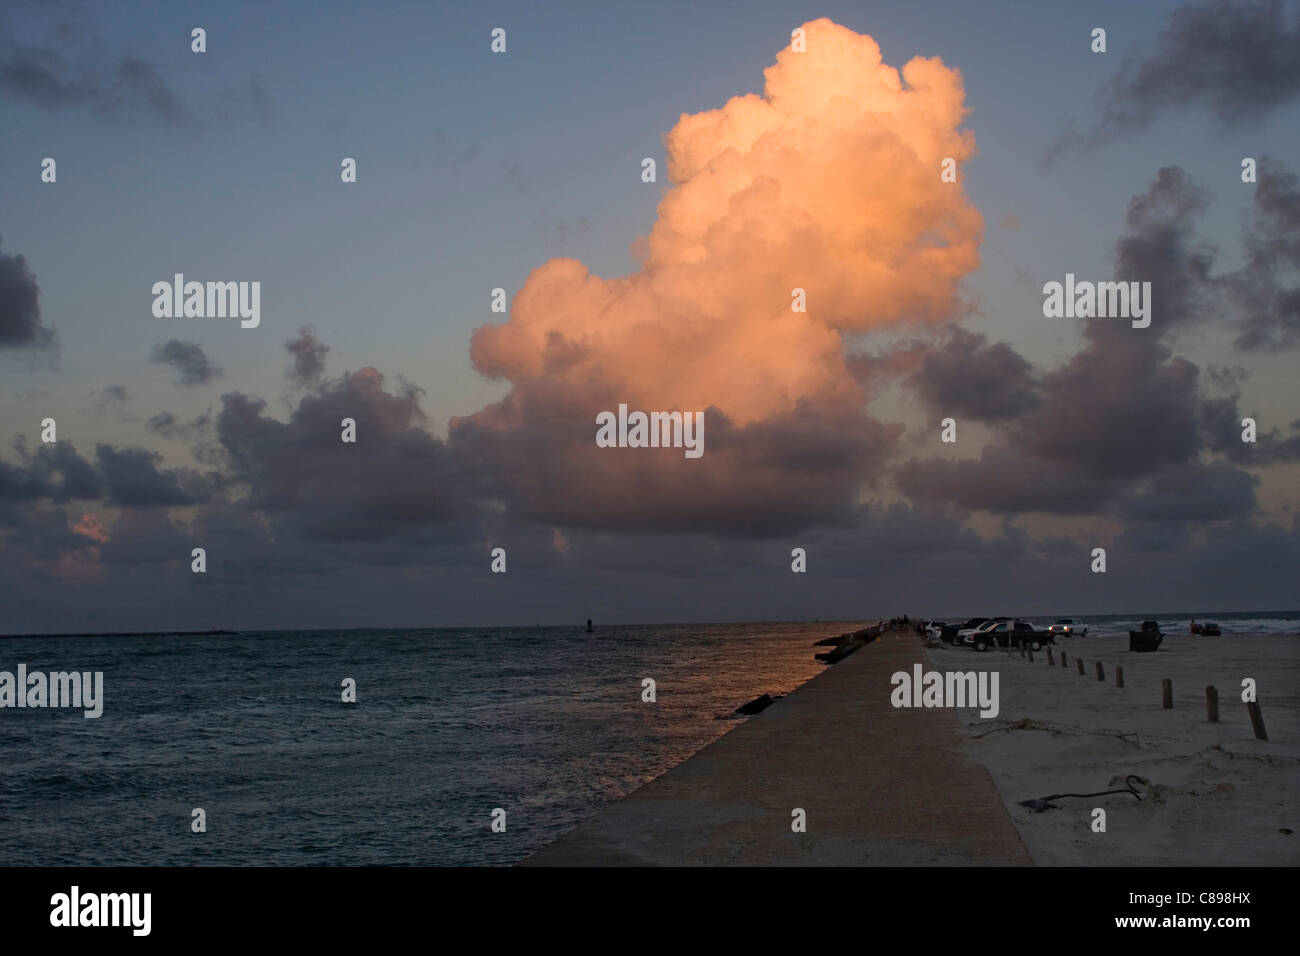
<point x="1257" y="720"/>
<point x="1078" y="662"/>
<point x="1101" y="673"/>
<point x="1119" y="676"/>
<point x="1051" y="661"/>
<point x="1211" y="704"/>
<point x="1167" y="695"/>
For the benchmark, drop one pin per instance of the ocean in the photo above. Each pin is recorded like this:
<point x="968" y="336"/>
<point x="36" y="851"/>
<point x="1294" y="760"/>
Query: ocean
<point x="547" y="724"/>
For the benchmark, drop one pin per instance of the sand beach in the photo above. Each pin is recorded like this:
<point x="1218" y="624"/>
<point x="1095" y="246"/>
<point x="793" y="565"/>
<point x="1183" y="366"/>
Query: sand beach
<point x="1215" y="794"/>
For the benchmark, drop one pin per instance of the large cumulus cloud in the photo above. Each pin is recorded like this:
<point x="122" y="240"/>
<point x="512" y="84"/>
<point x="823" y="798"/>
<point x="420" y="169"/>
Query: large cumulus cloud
<point x="829" y="182"/>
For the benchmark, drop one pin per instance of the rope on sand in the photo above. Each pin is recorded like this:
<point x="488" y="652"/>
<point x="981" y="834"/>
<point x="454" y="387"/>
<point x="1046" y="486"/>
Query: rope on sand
<point x="1044" y="803"/>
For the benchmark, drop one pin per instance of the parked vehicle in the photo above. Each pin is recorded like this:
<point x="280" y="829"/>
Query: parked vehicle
<point x="966" y="636"/>
<point x="1003" y="633"/>
<point x="950" y="631"/>
<point x="1034" y="637"/>
<point x="1069" y="627"/>
<point x="1147" y="639"/>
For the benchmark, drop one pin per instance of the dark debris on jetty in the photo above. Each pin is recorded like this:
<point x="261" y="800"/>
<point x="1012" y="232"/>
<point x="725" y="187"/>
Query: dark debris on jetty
<point x="846" y="644"/>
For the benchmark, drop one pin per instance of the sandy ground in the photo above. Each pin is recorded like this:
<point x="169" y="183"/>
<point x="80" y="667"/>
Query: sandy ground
<point x="1216" y="795"/>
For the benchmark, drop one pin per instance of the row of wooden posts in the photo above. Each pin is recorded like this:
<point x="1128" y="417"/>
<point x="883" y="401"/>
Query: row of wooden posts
<point x="1167" y="695"/>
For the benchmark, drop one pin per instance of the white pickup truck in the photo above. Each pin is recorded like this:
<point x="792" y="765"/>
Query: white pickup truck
<point x="1068" y="627"/>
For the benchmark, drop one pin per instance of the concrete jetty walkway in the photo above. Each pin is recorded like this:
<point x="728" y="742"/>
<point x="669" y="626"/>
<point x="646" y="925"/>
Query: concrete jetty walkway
<point x="881" y="786"/>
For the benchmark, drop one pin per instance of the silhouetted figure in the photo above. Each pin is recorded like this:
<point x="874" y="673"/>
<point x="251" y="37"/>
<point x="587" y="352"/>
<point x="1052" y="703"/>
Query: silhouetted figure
<point x="589" y="628"/>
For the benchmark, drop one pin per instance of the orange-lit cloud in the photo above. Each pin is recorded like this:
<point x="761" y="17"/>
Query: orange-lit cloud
<point x="829" y="182"/>
<point x="89" y="526"/>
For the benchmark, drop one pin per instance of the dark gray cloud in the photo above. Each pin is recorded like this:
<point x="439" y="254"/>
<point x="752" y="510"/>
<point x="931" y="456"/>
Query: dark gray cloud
<point x="74" y="73"/>
<point x="20" y="307"/>
<point x="1193" y="493"/>
<point x="134" y="480"/>
<point x="1160" y="245"/>
<point x="20" y="484"/>
<point x="167" y="425"/>
<point x="1238" y="59"/>
<point x="164" y="424"/>
<point x="1220" y="421"/>
<point x="189" y="360"/>
<point x="35" y="540"/>
<point x="1123" y="409"/>
<point x="534" y="452"/>
<point x="1004" y="479"/>
<point x="1226" y="376"/>
<point x="1115" y="411"/>
<point x="966" y="377"/>
<point x="308" y="353"/>
<point x="111" y="396"/>
<point x="72" y="68"/>
<point x="395" y="475"/>
<point x="1267" y="287"/>
<point x="54" y="471"/>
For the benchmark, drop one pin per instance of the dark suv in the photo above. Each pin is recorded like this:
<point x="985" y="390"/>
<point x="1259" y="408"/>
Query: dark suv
<point x="949" y="632"/>
<point x="1008" y="634"/>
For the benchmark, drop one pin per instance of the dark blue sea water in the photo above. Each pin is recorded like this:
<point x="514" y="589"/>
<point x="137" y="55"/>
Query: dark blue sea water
<point x="546" y="723"/>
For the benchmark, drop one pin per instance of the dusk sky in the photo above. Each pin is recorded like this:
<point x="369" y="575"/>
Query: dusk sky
<point x="523" y="170"/>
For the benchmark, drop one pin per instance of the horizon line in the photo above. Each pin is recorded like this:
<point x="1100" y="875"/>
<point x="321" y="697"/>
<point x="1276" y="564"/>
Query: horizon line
<point x="233" y="632"/>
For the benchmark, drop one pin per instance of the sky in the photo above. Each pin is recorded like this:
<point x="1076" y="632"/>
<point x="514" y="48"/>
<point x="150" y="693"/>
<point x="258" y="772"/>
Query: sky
<point x="776" y="169"/>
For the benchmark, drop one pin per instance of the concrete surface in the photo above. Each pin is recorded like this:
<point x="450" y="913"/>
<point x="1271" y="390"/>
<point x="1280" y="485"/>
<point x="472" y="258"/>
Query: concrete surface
<point x="881" y="786"/>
